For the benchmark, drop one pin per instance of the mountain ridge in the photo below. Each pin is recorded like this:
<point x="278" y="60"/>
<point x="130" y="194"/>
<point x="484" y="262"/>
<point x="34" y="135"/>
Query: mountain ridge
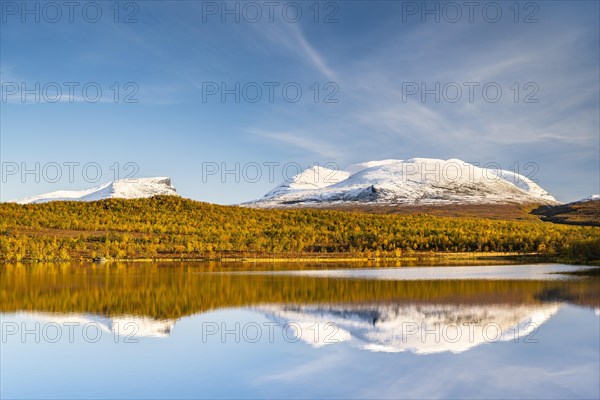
<point x="581" y="212"/>
<point x="416" y="182"/>
<point x="423" y="181"/>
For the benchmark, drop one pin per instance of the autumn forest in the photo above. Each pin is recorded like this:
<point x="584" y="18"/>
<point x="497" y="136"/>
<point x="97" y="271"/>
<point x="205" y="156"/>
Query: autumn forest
<point x="165" y="227"/>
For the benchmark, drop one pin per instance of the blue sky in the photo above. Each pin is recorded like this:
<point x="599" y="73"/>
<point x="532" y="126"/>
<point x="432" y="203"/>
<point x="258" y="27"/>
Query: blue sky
<point x="361" y="58"/>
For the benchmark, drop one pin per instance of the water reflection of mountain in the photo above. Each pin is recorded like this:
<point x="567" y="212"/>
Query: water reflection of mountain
<point x="417" y="328"/>
<point x="391" y="328"/>
<point x="123" y="325"/>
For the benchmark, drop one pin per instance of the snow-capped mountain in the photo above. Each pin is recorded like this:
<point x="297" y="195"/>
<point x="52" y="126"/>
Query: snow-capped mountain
<point x="414" y="181"/>
<point x="123" y="189"/>
<point x="419" y="329"/>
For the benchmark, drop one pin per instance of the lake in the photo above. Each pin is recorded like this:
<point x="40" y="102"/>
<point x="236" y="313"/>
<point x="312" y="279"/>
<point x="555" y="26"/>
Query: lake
<point x="199" y="330"/>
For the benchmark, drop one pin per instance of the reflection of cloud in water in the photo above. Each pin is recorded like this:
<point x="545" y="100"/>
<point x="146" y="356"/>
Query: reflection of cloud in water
<point x="420" y="329"/>
<point x="123" y="325"/>
<point x="537" y="272"/>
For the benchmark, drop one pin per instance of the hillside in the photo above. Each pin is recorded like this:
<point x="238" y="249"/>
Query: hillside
<point x="172" y="227"/>
<point x="506" y="212"/>
<point x="583" y="212"/>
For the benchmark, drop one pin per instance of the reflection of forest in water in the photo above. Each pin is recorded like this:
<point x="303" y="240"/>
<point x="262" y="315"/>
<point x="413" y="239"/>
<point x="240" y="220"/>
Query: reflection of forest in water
<point x="174" y="290"/>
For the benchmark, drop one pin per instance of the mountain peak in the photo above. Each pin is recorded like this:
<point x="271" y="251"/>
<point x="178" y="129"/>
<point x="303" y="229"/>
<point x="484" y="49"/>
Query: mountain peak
<point x="131" y="188"/>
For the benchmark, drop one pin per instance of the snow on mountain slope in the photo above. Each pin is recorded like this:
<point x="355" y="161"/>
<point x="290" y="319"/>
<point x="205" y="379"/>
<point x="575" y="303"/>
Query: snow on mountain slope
<point x="315" y="177"/>
<point x="354" y="168"/>
<point x="521" y="182"/>
<point x="123" y="189"/>
<point x="413" y="181"/>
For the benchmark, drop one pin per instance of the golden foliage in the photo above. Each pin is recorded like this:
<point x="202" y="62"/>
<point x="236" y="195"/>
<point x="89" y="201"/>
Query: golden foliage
<point x="168" y="227"/>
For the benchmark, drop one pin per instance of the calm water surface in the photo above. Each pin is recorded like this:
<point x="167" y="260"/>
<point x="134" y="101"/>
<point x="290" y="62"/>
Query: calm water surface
<point x="182" y="331"/>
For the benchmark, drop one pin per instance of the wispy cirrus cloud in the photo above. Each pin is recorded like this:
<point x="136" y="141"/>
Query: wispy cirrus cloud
<point x="301" y="141"/>
<point x="311" y="54"/>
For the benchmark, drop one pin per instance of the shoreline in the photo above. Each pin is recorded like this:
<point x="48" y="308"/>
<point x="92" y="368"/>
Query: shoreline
<point x="410" y="260"/>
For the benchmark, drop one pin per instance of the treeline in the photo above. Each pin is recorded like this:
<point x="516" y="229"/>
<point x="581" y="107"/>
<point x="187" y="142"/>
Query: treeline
<point x="172" y="227"/>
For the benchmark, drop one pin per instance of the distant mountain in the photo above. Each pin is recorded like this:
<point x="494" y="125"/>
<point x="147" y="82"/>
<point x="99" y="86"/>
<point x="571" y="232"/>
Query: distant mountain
<point x="594" y="197"/>
<point x="422" y="181"/>
<point x="123" y="189"/>
<point x="582" y="212"/>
